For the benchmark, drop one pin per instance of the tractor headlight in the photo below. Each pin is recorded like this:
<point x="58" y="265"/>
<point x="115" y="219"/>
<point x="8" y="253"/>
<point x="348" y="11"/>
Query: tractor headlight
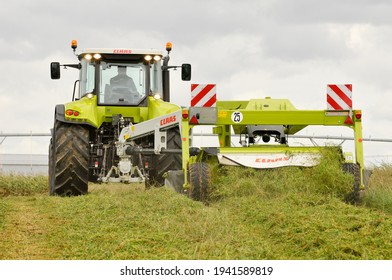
<point x="157" y="96"/>
<point x="89" y="95"/>
<point x="148" y="57"/>
<point x="157" y="57"/>
<point x="88" y="56"/>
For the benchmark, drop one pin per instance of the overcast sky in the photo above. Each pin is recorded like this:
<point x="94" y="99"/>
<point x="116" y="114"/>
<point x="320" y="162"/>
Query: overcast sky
<point x="249" y="48"/>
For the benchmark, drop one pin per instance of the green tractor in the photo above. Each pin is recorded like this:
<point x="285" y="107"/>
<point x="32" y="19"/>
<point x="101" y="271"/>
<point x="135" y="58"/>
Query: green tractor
<point x="116" y="88"/>
<point x="121" y="127"/>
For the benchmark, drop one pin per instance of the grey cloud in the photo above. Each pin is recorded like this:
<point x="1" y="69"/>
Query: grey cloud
<point x="333" y="11"/>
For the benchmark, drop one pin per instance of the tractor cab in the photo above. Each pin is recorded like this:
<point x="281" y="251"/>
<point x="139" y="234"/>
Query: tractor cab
<point x="122" y="77"/>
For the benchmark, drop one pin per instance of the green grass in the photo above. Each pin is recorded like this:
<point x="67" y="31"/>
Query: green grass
<point x="379" y="192"/>
<point x="17" y="185"/>
<point x="289" y="213"/>
<point x="3" y="211"/>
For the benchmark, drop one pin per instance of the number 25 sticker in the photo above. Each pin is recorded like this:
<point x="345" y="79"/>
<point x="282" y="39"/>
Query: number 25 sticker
<point x="237" y="117"/>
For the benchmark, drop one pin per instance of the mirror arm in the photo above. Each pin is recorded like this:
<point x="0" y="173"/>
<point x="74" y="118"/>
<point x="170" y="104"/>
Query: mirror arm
<point x="76" y="66"/>
<point x="170" y="67"/>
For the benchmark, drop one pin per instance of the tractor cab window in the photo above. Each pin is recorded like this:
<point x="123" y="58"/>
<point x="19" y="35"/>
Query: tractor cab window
<point x="156" y="79"/>
<point x="121" y="83"/>
<point x="87" y="78"/>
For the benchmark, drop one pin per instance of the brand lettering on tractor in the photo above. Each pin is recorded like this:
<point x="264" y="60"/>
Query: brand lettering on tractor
<point x="122" y="51"/>
<point x="268" y="160"/>
<point x="168" y="120"/>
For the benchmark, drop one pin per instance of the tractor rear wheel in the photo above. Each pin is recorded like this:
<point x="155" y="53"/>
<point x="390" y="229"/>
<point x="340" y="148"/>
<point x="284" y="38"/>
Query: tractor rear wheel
<point x="68" y="159"/>
<point x="353" y="169"/>
<point x="165" y="162"/>
<point x="200" y="181"/>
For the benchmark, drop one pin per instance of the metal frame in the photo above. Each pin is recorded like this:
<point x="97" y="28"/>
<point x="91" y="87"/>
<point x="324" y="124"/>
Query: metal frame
<point x="266" y="112"/>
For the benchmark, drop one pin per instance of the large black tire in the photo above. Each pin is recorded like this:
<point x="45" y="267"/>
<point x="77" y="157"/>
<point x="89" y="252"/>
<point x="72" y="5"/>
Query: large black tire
<point x="200" y="181"/>
<point x="68" y="159"/>
<point x="353" y="169"/>
<point x="165" y="162"/>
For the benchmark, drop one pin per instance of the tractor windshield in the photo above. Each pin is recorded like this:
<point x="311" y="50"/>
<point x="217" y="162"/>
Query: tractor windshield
<point x="121" y="83"/>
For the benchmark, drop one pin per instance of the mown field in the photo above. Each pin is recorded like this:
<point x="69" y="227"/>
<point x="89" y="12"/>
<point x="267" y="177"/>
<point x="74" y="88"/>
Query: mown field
<point x="291" y="213"/>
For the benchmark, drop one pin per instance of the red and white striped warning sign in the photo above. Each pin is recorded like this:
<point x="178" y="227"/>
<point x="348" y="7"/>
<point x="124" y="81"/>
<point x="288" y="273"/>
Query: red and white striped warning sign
<point x="339" y="97"/>
<point x="203" y="95"/>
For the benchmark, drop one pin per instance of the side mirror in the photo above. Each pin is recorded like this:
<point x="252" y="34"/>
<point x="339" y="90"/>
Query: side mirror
<point x="55" y="70"/>
<point x="186" y="72"/>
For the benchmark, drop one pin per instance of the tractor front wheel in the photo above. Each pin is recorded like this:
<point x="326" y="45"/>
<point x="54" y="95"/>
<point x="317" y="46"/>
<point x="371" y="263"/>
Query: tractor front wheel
<point x="68" y="159"/>
<point x="165" y="162"/>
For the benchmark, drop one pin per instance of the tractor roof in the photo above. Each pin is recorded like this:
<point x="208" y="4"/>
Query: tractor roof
<point x="120" y="51"/>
